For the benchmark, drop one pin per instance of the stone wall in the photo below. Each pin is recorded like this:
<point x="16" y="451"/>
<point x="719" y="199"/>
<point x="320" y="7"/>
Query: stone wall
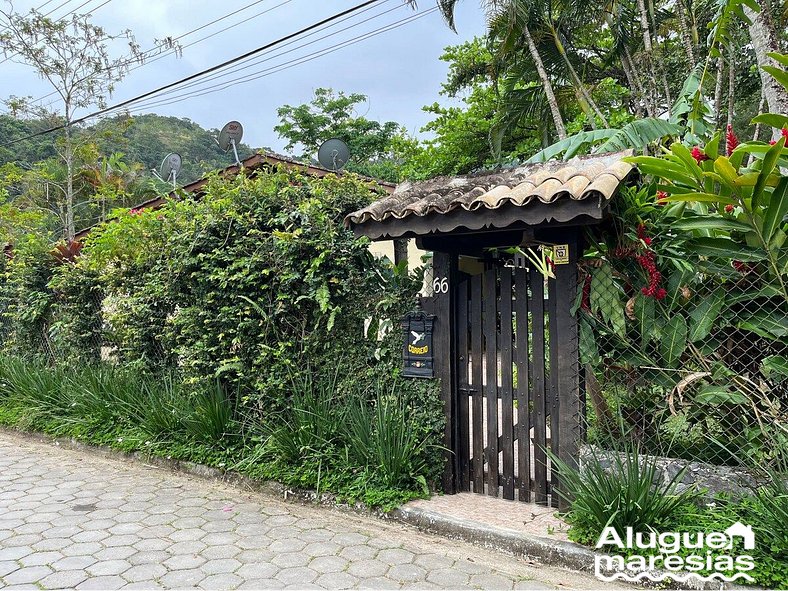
<point x="736" y="482"/>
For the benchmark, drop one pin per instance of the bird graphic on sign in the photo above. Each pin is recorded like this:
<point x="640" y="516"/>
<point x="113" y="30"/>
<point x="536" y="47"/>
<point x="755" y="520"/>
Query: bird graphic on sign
<point x="417" y="336"/>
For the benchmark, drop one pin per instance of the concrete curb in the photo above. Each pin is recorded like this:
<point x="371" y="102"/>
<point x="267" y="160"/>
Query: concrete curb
<point x="542" y="550"/>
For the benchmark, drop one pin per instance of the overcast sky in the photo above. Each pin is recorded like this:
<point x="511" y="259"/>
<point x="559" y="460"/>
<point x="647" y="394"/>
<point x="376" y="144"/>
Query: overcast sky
<point x="399" y="69"/>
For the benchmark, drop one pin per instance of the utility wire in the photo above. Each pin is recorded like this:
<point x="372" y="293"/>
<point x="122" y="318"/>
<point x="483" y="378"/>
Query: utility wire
<point x="198" y="74"/>
<point x="176" y="49"/>
<point x="286" y="65"/>
<point x="265" y="58"/>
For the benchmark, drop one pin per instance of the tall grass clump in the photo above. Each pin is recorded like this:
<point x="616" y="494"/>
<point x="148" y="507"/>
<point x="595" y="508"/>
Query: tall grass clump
<point x="212" y="412"/>
<point x="381" y="437"/>
<point x="623" y="490"/>
<point x="308" y="428"/>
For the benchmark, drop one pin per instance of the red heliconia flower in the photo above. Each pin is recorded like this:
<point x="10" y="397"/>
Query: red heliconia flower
<point x="741" y="267"/>
<point x="731" y="141"/>
<point x="648" y="262"/>
<point x="784" y="133"/>
<point x="647" y="240"/>
<point x="585" y="302"/>
<point x="728" y="208"/>
<point x="699" y="155"/>
<point x="661" y="196"/>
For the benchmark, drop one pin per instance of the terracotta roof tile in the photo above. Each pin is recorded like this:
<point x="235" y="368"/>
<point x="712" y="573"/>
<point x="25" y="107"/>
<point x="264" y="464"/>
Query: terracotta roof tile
<point x="586" y="177"/>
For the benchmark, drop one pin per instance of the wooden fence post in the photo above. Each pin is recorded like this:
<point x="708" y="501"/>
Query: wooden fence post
<point x="444" y="281"/>
<point x="567" y="363"/>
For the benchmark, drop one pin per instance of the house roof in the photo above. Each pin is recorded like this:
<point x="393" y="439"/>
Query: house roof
<point x="533" y="193"/>
<point x="257" y="161"/>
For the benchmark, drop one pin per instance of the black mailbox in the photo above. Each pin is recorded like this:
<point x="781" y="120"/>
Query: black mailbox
<point x="417" y="334"/>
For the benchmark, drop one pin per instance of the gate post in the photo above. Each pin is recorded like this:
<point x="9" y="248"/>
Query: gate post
<point x="568" y="359"/>
<point x="444" y="266"/>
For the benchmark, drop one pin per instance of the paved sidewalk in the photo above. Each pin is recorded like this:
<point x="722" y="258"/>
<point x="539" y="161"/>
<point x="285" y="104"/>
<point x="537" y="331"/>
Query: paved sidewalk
<point x="71" y="519"/>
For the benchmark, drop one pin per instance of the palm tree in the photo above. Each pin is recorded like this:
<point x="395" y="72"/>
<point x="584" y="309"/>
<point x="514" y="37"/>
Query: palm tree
<point x="516" y="27"/>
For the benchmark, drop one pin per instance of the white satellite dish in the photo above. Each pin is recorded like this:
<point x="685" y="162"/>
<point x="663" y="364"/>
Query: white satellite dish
<point x="170" y="167"/>
<point x="333" y="154"/>
<point x="230" y="136"/>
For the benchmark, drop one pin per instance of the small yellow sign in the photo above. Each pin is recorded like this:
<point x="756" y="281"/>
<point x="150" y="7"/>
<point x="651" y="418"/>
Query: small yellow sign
<point x="561" y="254"/>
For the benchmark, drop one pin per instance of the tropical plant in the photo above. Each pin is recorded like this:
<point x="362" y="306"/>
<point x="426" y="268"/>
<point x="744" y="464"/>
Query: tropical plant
<point x="700" y="351"/>
<point x="620" y="489"/>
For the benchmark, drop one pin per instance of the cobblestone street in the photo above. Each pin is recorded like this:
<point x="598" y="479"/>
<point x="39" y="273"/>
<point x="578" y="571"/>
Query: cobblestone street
<point x="71" y="519"/>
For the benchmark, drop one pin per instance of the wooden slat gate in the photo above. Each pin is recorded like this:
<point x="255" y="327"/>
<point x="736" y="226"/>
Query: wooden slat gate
<point x="517" y="392"/>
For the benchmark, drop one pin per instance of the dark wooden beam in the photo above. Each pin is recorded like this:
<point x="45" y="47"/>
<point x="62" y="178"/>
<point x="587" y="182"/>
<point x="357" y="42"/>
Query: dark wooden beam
<point x="443" y="306"/>
<point x="567" y="362"/>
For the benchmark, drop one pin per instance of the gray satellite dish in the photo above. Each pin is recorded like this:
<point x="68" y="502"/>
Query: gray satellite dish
<point x="333" y="154"/>
<point x="230" y="136"/>
<point x="171" y="166"/>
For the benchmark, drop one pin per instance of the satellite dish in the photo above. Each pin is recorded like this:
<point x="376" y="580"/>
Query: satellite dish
<point x="230" y="136"/>
<point x="333" y="154"/>
<point x="170" y="167"/>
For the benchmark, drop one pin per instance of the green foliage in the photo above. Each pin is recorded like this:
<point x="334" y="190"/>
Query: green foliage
<point x="332" y="114"/>
<point x="211" y="324"/>
<point x="148" y="138"/>
<point x="621" y="492"/>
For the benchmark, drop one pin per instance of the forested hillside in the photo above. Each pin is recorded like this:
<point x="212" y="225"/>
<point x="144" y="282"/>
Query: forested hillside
<point x="144" y="140"/>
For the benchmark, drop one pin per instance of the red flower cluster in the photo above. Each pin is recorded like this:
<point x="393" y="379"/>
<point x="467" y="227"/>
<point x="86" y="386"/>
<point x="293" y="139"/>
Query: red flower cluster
<point x="654" y="277"/>
<point x="699" y="155"/>
<point x="585" y="301"/>
<point x="642" y="234"/>
<point x="135" y="212"/>
<point x="662" y="196"/>
<point x="647" y="260"/>
<point x="731" y="141"/>
<point x="784" y="132"/>
<point x="741" y="267"/>
<point x="728" y="208"/>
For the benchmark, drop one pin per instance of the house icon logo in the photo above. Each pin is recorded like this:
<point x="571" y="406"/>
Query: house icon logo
<point x="744" y="532"/>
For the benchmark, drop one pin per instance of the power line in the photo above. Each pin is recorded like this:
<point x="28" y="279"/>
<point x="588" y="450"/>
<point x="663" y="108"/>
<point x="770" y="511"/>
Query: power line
<point x="275" y="68"/>
<point x="175" y="49"/>
<point x="286" y="65"/>
<point x="199" y="74"/>
<point x="256" y="61"/>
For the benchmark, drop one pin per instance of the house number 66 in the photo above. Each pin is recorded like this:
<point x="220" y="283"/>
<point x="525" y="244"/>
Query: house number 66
<point x="440" y="285"/>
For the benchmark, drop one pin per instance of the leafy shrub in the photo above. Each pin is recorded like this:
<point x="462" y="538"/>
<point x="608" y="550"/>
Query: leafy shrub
<point x="382" y="436"/>
<point x="236" y="288"/>
<point x="211" y="414"/>
<point x="627" y="493"/>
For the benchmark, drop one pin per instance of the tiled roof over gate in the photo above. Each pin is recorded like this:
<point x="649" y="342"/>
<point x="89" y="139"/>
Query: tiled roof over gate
<point x="589" y="177"/>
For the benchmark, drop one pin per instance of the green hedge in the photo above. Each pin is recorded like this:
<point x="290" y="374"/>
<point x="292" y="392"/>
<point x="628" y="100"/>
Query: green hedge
<point x="256" y="285"/>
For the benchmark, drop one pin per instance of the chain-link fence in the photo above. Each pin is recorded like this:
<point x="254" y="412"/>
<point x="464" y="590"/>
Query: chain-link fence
<point x="688" y="362"/>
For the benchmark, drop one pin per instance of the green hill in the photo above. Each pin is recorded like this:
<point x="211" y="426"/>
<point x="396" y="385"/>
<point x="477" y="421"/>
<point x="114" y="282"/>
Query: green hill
<point x="145" y="139"/>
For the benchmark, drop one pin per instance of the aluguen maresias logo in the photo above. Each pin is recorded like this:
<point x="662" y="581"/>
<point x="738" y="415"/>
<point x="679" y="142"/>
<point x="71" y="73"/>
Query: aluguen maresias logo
<point x="674" y="555"/>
